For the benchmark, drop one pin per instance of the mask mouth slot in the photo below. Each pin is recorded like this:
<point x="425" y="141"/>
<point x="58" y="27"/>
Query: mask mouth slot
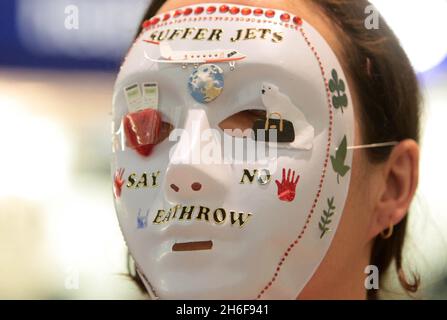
<point x="193" y="246"/>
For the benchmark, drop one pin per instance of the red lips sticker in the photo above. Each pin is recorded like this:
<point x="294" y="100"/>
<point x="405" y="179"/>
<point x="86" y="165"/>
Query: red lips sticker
<point x="142" y="130"/>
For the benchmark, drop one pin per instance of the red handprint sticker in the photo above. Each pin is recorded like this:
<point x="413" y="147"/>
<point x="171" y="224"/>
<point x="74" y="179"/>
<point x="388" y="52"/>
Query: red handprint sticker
<point x="287" y="187"/>
<point x="118" y="182"/>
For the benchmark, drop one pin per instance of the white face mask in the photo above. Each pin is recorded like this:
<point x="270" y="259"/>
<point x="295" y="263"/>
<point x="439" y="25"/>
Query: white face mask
<point x="260" y="224"/>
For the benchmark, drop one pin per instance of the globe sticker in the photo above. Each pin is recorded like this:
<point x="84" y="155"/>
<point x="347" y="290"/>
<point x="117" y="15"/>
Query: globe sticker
<point x="206" y="83"/>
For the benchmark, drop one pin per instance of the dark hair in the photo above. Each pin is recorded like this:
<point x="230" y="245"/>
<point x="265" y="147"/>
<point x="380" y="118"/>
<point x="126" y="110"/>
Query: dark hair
<point x="389" y="95"/>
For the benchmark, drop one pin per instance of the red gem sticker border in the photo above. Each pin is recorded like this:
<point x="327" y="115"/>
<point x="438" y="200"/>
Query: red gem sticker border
<point x="199" y="14"/>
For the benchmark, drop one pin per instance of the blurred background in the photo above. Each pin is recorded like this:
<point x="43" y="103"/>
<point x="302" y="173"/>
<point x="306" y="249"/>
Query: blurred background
<point x="59" y="237"/>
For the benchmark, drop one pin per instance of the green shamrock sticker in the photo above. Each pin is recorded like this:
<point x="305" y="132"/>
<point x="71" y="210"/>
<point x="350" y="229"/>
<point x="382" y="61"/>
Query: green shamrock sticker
<point x="338" y="88"/>
<point x="338" y="162"/>
<point x="325" y="220"/>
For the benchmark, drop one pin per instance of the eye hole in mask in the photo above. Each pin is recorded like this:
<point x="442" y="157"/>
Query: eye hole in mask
<point x="237" y="124"/>
<point x="256" y="124"/>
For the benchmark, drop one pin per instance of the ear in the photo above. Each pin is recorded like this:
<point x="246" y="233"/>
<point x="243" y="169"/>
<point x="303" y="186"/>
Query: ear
<point x="400" y="178"/>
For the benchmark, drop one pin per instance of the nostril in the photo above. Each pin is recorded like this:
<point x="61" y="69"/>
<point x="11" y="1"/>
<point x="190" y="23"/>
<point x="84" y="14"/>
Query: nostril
<point x="175" y="188"/>
<point x="196" y="186"/>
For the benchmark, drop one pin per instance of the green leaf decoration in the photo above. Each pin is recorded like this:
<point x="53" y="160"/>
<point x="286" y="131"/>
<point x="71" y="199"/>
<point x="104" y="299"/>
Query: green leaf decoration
<point x="325" y="220"/>
<point x="330" y="203"/>
<point x="338" y="162"/>
<point x="338" y="88"/>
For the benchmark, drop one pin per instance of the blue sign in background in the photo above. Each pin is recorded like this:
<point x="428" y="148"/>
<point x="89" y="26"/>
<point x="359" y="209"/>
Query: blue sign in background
<point x="32" y="33"/>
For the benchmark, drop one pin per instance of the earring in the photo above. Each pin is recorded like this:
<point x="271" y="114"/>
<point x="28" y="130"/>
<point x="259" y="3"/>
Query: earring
<point x="388" y="233"/>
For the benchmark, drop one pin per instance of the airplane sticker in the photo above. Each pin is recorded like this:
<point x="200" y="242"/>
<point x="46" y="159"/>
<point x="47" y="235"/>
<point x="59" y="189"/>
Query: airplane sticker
<point x="195" y="57"/>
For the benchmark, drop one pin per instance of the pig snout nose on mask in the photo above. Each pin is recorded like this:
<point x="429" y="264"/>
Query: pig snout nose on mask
<point x="194" y="173"/>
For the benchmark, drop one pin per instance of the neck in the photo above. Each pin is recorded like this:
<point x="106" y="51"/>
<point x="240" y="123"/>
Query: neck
<point x="339" y="281"/>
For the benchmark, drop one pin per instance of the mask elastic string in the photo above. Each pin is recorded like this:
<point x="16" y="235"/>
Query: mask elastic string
<point x="373" y="145"/>
<point x="148" y="286"/>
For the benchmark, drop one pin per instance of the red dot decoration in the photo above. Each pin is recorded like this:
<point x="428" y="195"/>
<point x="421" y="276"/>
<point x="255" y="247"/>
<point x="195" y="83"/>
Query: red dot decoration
<point x="224" y="8"/>
<point x="246" y="11"/>
<point x="235" y="10"/>
<point x="285" y="17"/>
<point x="270" y="13"/>
<point x="258" y="12"/>
<point x="178" y="13"/>
<point x="211" y="9"/>
<point x="199" y="10"/>
<point x="298" y="21"/>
